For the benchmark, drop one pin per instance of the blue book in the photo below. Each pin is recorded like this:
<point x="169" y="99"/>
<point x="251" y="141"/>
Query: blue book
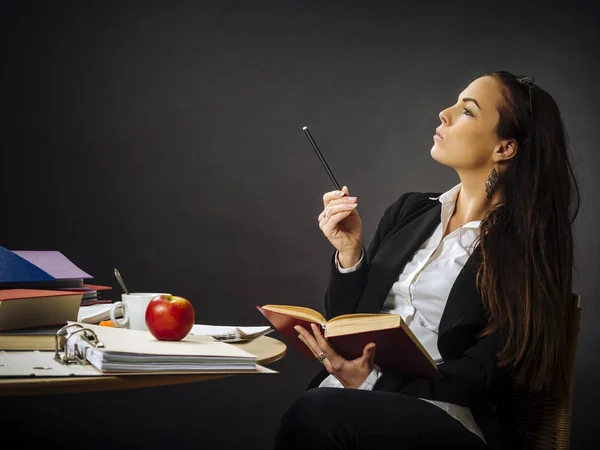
<point x="39" y="268"/>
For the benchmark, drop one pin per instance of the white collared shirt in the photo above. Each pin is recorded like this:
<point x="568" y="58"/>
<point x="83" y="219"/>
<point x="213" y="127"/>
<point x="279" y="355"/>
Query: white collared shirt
<point x="421" y="292"/>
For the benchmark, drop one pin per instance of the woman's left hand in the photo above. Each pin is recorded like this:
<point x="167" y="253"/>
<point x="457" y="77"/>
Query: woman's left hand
<point x="351" y="373"/>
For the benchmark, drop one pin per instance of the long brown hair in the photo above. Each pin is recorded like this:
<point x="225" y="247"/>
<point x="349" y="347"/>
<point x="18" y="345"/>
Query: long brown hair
<point x="527" y="247"/>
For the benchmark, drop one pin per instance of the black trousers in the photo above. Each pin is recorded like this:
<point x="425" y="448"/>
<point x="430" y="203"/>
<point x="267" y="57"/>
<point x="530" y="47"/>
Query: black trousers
<point x="336" y="418"/>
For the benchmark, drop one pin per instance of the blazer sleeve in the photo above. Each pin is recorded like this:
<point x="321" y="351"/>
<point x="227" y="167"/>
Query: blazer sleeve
<point x="345" y="289"/>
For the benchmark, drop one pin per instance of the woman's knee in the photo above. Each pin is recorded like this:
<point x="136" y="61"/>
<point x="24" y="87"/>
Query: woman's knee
<point x="314" y="406"/>
<point x="312" y="421"/>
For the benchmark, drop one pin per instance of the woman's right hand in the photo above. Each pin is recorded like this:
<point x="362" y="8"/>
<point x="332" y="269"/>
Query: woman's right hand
<point x="341" y="224"/>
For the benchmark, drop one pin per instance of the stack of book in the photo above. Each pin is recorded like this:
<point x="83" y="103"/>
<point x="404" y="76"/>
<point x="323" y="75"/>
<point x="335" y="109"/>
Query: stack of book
<point x="40" y="292"/>
<point x="92" y="294"/>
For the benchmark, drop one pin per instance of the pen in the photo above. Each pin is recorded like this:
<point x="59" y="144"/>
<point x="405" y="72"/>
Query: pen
<point x="314" y="144"/>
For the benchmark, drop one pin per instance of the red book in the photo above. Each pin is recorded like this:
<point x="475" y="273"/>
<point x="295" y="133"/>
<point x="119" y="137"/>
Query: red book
<point x="33" y="308"/>
<point x="397" y="348"/>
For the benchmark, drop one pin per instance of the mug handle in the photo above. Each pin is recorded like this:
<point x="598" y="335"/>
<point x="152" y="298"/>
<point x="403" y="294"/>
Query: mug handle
<point x="119" y="323"/>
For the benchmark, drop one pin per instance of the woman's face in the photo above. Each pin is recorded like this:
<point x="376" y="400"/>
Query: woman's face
<point x="468" y="129"/>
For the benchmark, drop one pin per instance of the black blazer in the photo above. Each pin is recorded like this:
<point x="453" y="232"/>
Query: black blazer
<point x="470" y="376"/>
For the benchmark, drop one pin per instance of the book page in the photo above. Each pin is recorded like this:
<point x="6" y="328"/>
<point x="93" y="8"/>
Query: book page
<point x="356" y="323"/>
<point x="358" y="316"/>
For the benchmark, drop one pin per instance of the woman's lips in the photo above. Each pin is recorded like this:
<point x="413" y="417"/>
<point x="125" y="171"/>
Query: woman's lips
<point x="438" y="135"/>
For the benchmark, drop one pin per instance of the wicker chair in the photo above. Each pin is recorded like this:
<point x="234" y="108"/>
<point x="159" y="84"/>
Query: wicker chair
<point x="542" y="422"/>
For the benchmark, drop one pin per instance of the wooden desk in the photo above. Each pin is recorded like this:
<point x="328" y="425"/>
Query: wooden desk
<point x="267" y="349"/>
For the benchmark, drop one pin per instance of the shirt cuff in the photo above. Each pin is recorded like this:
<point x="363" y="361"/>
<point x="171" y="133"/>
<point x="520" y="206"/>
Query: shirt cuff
<point x="371" y="379"/>
<point x="333" y="382"/>
<point x="349" y="269"/>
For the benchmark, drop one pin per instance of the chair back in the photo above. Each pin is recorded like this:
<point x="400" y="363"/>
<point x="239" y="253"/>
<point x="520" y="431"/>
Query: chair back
<point x="542" y="422"/>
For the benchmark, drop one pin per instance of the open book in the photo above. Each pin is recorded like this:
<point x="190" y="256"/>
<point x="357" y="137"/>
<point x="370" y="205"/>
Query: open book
<point x="397" y="348"/>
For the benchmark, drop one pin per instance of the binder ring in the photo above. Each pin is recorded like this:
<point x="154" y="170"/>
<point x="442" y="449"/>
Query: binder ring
<point x="88" y="336"/>
<point x="78" y="357"/>
<point x="59" y="333"/>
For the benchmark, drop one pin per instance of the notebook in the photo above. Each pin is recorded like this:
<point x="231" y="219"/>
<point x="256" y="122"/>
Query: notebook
<point x="97" y="313"/>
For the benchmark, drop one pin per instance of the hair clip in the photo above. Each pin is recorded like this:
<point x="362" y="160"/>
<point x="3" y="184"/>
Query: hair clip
<point x="526" y="80"/>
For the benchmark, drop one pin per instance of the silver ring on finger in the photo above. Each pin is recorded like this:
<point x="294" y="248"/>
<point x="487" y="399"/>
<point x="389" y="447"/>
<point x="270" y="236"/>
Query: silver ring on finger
<point x="321" y="357"/>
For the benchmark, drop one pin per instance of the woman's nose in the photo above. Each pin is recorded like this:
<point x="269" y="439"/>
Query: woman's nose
<point x="444" y="116"/>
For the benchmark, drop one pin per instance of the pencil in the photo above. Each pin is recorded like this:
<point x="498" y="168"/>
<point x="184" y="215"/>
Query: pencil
<point x="320" y="155"/>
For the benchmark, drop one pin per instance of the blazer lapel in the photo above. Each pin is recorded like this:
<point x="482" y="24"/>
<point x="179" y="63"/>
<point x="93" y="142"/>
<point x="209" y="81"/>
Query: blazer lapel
<point x="464" y="306"/>
<point x="403" y="241"/>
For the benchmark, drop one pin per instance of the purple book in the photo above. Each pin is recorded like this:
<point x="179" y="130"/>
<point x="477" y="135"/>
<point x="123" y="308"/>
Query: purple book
<point x="54" y="263"/>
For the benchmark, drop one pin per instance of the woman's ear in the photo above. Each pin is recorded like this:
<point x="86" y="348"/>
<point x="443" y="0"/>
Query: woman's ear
<point x="506" y="150"/>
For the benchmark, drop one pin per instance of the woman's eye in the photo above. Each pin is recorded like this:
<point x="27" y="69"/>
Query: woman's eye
<point x="468" y="111"/>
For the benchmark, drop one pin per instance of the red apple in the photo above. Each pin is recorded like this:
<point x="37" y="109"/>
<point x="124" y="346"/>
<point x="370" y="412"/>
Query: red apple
<point x="169" y="317"/>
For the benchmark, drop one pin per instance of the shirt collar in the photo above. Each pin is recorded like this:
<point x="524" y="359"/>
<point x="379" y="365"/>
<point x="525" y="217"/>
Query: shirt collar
<point x="448" y="201"/>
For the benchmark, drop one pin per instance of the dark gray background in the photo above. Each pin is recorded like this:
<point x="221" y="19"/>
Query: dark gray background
<point x="165" y="139"/>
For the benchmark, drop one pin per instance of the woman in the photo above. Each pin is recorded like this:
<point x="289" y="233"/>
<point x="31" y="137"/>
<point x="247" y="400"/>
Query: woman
<point x="481" y="273"/>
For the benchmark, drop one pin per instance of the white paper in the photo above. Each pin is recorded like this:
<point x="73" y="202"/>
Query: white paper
<point x="228" y="333"/>
<point x="212" y="330"/>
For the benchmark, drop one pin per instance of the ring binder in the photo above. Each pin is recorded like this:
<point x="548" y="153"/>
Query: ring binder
<point x="91" y="351"/>
<point x="78" y="357"/>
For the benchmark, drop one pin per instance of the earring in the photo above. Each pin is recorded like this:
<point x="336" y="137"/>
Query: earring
<point x="491" y="182"/>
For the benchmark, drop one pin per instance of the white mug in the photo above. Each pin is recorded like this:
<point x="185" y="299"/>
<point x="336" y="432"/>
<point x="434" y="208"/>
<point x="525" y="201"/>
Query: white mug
<point x="134" y="310"/>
